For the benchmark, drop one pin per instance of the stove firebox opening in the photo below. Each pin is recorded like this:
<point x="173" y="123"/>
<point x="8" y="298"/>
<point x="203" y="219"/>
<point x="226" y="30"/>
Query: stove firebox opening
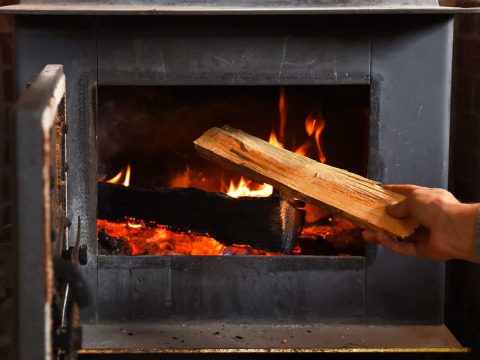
<point x="157" y="196"/>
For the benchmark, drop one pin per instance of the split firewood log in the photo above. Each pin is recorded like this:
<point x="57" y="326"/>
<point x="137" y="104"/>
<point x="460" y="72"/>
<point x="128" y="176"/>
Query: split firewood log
<point x="353" y="196"/>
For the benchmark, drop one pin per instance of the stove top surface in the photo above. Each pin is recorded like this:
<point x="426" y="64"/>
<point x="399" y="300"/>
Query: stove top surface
<point x="231" y="7"/>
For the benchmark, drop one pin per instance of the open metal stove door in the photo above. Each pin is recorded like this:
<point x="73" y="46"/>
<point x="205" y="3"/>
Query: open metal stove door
<point x="47" y="276"/>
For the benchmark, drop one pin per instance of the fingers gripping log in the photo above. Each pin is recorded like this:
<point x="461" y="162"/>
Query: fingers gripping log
<point x="358" y="198"/>
<point x="270" y="223"/>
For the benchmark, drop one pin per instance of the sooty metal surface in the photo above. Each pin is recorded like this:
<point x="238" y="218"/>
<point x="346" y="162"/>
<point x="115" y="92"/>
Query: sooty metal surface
<point x="239" y="288"/>
<point x="218" y="337"/>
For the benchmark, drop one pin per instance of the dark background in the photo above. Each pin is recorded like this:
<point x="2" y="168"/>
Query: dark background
<point x="153" y="128"/>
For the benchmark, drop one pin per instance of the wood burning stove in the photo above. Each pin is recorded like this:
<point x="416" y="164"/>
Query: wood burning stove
<point x="392" y="61"/>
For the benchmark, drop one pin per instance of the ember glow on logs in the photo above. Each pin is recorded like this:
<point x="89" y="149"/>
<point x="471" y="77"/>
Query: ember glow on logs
<point x="141" y="239"/>
<point x="321" y="234"/>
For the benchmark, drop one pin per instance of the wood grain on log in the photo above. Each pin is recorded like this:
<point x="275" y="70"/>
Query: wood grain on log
<point x="358" y="198"/>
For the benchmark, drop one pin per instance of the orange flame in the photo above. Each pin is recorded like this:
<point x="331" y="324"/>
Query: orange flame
<point x="310" y="122"/>
<point x="303" y="150"/>
<point x="314" y="125"/>
<point x="282" y="109"/>
<point x="122" y="178"/>
<point x="246" y="187"/>
<point x="274" y="140"/>
<point x="318" y="133"/>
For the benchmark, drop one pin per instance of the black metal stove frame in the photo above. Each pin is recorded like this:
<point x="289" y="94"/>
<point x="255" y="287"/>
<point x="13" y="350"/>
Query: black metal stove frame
<point x="406" y="61"/>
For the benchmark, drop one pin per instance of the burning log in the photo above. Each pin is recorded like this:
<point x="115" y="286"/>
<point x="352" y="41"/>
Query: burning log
<point x="270" y="223"/>
<point x="353" y="196"/>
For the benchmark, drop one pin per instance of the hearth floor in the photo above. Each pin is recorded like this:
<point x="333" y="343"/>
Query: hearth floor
<point x="217" y="337"/>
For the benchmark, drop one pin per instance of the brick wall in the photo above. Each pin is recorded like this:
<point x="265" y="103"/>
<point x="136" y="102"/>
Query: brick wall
<point x="6" y="101"/>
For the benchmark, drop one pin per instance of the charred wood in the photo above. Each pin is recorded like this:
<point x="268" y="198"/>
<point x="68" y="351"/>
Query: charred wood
<point x="270" y="223"/>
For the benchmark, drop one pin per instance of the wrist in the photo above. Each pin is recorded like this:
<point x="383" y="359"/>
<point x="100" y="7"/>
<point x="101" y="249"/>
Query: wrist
<point x="467" y="231"/>
<point x="477" y="236"/>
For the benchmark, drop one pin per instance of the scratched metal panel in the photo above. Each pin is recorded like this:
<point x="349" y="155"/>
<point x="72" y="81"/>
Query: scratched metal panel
<point x="235" y="288"/>
<point x="71" y="42"/>
<point x="103" y="9"/>
<point x="232" y="51"/>
<point x="248" y="3"/>
<point x="409" y="143"/>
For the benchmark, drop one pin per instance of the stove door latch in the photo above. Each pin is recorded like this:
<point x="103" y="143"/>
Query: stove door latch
<point x="72" y="294"/>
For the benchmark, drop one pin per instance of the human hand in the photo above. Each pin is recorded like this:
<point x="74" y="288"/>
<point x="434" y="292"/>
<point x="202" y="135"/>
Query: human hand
<point x="448" y="227"/>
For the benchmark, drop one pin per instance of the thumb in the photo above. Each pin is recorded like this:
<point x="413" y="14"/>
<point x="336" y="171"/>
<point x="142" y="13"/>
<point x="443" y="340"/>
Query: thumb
<point x="398" y="210"/>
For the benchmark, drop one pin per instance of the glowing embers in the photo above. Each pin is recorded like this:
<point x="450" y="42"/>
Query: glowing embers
<point x="332" y="235"/>
<point x="329" y="236"/>
<point x="133" y="237"/>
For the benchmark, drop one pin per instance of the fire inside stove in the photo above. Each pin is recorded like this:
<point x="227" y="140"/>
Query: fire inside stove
<point x="158" y="197"/>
